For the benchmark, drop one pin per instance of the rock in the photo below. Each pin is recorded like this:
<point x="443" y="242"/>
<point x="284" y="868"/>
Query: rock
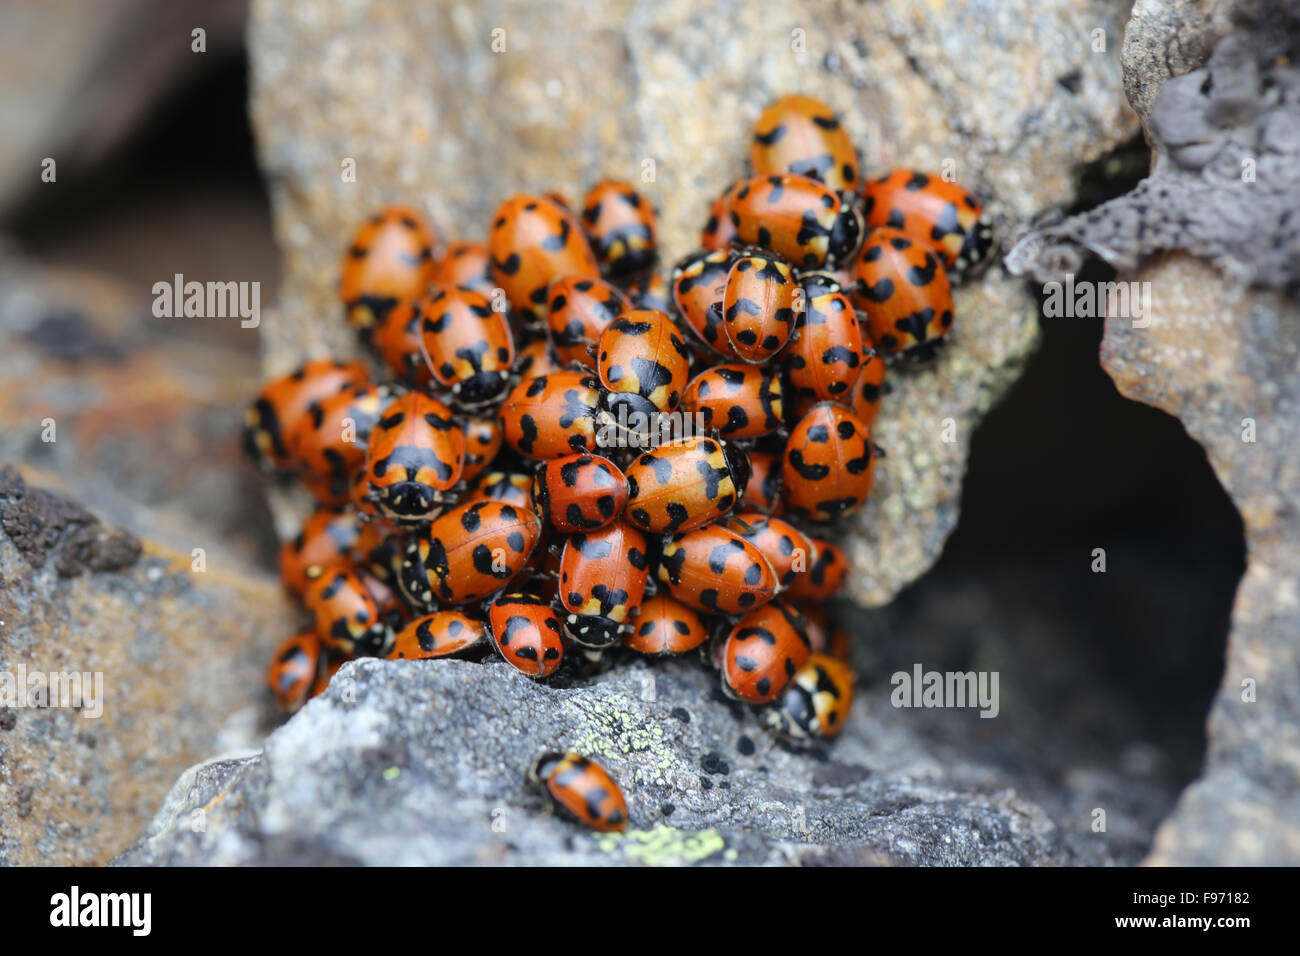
<point x="136" y="417"/>
<point x="1225" y="363"/>
<point x="1221" y="352"/>
<point x="179" y="655"/>
<point x="1010" y="98"/>
<point x="1228" y="161"/>
<point x="424" y="763"/>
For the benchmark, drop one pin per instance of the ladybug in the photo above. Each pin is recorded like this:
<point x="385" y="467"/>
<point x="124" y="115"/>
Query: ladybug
<point x="815" y="705"/>
<point x="293" y="669"/>
<point x="798" y="134"/>
<point x="330" y="664"/>
<point x="666" y="626"/>
<point x="469" y="347"/>
<point x="621" y="227"/>
<point x="649" y="291"/>
<point x="533" y="241"/>
<point x="825" y="635"/>
<point x="758" y="307"/>
<point x="508" y="487"/>
<point x="282" y="403"/>
<point x="579" y="308"/>
<point x="583" y="790"/>
<point x="940" y="214"/>
<point x="763" y="652"/>
<point x="348" y="617"/>
<point x="829" y="464"/>
<point x="552" y="415"/>
<point x="463" y="264"/>
<point x="330" y="440"/>
<point x="468" y="553"/>
<point x="718" y="232"/>
<point x="378" y="547"/>
<point x="763" y="492"/>
<point x="827" y="569"/>
<point x="396" y="338"/>
<point x="440" y="634"/>
<point x="526" y="632"/>
<point x="784" y="545"/>
<point x="903" y="290"/>
<point x="644" y="364"/>
<point x="483" y="440"/>
<point x="699" y="283"/>
<point x="415" y="456"/>
<point x="390" y="259"/>
<point x="326" y="540"/>
<point x="868" y="387"/>
<point x="579" y="492"/>
<point x="739" y="401"/>
<point x="535" y="360"/>
<point x="603" y="576"/>
<point x="684" y="484"/>
<point x="803" y="221"/>
<point x="715" y="570"/>
<point x="824" y="358"/>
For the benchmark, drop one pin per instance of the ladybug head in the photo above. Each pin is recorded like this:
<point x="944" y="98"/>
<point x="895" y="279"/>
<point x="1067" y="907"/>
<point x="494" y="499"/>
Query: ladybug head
<point x="411" y="501"/>
<point x="739" y="466"/>
<point x="975" y="251"/>
<point x="846" y="234"/>
<point x="481" y="389"/>
<point x="590" y="630"/>
<point x="545" y="766"/>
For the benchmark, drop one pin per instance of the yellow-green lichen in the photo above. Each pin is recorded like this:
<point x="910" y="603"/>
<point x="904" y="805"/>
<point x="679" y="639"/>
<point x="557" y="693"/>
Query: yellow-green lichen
<point x="666" y="846"/>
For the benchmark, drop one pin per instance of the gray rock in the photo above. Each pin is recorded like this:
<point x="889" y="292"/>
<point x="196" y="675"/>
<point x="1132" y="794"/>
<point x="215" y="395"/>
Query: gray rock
<point x="1010" y="96"/>
<point x="1223" y="358"/>
<point x="425" y="763"/>
<point x="1227" y="165"/>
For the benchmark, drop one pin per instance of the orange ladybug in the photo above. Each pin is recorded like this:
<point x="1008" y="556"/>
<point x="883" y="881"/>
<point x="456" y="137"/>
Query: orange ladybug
<point x="940" y="214"/>
<point x="468" y="553"/>
<point x="579" y="492"/>
<point x="416" y="455"/>
<point x="440" y="634"/>
<point x="902" y="289"/>
<point x="470" y="348"/>
<point x="390" y="259"/>
<point x="740" y="400"/>
<point x="699" y="283"/>
<point x="758" y="307"/>
<point x="763" y="652"/>
<point x="526" y="633"/>
<point x="799" y="134"/>
<point x="552" y="415"/>
<point x="282" y="404"/>
<point x="666" y="626"/>
<point x="803" y="221"/>
<point x="293" y="669"/>
<point x="325" y="541"/>
<point x="579" y="309"/>
<point x="348" y="617"/>
<point x="829" y="464"/>
<point x="715" y="570"/>
<point x="621" y="226"/>
<point x="684" y="484"/>
<point x="603" y="577"/>
<point x="533" y="241"/>
<point x="583" y="790"/>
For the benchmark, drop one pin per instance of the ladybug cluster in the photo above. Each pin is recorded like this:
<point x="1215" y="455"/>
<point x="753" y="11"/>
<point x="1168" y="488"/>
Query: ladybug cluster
<point x="564" y="456"/>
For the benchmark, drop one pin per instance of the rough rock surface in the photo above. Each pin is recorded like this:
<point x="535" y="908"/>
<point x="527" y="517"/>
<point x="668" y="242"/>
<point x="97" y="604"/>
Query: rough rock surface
<point x="1227" y="364"/>
<point x="1013" y="96"/>
<point x="425" y="763"/>
<point x="1224" y="358"/>
<point x="181" y="656"/>
<point x="1228" y="158"/>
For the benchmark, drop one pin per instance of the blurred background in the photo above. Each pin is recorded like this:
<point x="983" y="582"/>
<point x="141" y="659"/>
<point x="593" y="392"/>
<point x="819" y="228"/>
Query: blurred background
<point x="156" y="175"/>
